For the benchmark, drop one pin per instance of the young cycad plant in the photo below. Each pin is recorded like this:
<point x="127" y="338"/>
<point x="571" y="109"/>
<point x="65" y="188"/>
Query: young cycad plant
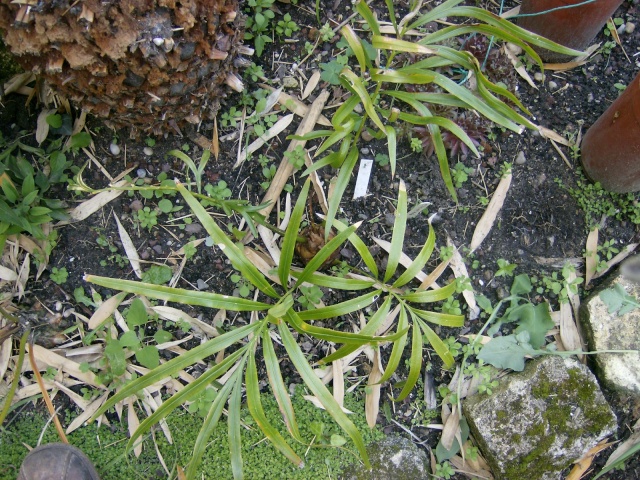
<point x="274" y="315"/>
<point x="379" y="88"/>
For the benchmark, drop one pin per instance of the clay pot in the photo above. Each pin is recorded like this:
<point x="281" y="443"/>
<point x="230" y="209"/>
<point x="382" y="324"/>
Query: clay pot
<point x="572" y="27"/>
<point x="611" y="147"/>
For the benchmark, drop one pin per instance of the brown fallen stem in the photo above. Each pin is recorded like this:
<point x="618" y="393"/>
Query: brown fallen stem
<point x="45" y="395"/>
<point x="16" y="378"/>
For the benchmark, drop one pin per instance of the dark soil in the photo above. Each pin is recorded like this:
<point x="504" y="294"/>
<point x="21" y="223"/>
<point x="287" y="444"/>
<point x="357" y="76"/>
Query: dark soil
<point x="540" y="219"/>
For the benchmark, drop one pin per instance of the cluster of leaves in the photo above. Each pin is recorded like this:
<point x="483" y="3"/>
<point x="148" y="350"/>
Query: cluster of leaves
<point x="275" y="315"/>
<point x="382" y="93"/>
<point x="260" y="27"/>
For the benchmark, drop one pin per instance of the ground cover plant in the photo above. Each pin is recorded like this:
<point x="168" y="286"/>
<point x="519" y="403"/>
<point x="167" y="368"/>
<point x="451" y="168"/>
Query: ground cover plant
<point x="218" y="310"/>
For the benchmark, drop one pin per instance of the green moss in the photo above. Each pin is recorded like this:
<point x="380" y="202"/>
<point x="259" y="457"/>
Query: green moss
<point x="8" y="64"/>
<point x="106" y="445"/>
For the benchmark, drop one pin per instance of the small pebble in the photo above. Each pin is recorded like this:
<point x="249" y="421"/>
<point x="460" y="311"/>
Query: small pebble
<point x="364" y="151"/>
<point x="141" y="172"/>
<point x="114" y="149"/>
<point x="202" y="285"/>
<point x="590" y="97"/>
<point x="193" y="228"/>
<point x="515" y="49"/>
<point x="289" y="82"/>
<point x="136" y="205"/>
<point x="358" y="108"/>
<point x="366" y="136"/>
<point x="158" y="41"/>
<point x="538" y="76"/>
<point x="157" y="249"/>
<point x="144" y="255"/>
<point x="553" y="85"/>
<point x="166" y="167"/>
<point x="148" y="151"/>
<point x="629" y="27"/>
<point x="622" y="29"/>
<point x="521" y="159"/>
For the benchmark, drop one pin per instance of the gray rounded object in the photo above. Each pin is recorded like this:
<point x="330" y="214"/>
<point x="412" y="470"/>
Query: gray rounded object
<point x="57" y="461"/>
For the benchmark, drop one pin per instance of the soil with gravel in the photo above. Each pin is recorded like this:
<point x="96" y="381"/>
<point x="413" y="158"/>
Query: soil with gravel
<point x="540" y="226"/>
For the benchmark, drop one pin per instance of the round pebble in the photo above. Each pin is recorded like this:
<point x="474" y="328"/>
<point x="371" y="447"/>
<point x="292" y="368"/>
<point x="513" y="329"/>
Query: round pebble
<point x="553" y="85"/>
<point x="538" y="76"/>
<point x="193" y="228"/>
<point x="515" y="49"/>
<point x="141" y="172"/>
<point x="629" y="27"/>
<point x="520" y="159"/>
<point x="114" y="149"/>
<point x="158" y="41"/>
<point x="148" y="151"/>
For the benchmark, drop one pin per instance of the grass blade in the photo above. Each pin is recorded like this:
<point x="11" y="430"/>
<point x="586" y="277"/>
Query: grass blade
<point x="337" y="283"/>
<point x="399" y="228"/>
<point x="321" y="392"/>
<point x="354" y="83"/>
<point x="398" y="347"/>
<point x="444" y="319"/>
<point x="438" y="345"/>
<point x="255" y="408"/>
<point x="340" y="186"/>
<point x="419" y="262"/>
<point x="291" y="236"/>
<point x="366" y="13"/>
<point x="431" y="295"/>
<point x="278" y="387"/>
<point x="233" y="253"/>
<point x="356" y="45"/>
<point x="179" y="295"/>
<point x="342" y="308"/>
<point x="391" y="143"/>
<point x="360" y="247"/>
<point x="233" y="422"/>
<point x="415" y="363"/>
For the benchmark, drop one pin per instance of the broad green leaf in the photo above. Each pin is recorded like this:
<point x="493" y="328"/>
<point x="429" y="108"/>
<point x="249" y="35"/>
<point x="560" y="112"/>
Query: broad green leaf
<point x="234" y="423"/>
<point x="508" y="352"/>
<point x="398" y="347"/>
<point x="291" y="236"/>
<point x="137" y="314"/>
<point x="399" y="228"/>
<point x="237" y="257"/>
<point x="148" y="357"/>
<point x="535" y="320"/>
<point x="415" y="363"/>
<point x="342" y="308"/>
<point x="521" y="285"/>
<point x="618" y="301"/>
<point x="402" y="77"/>
<point x="438" y="345"/>
<point x="179" y="295"/>
<point x="174" y="365"/>
<point x="325" y="252"/>
<point x="418" y="263"/>
<point x="255" y="408"/>
<point x="321" y="392"/>
<point x="354" y="83"/>
<point x="340" y="186"/>
<point x="278" y="387"/>
<point x="129" y="339"/>
<point x="355" y="44"/>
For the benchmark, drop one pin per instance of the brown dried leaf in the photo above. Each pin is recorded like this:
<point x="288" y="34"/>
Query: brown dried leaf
<point x="338" y="381"/>
<point x="582" y="465"/>
<point x="88" y="413"/>
<point x="451" y="428"/>
<point x="460" y="271"/>
<point x="490" y="214"/>
<point x="85" y="209"/>
<point x="133" y="423"/>
<point x="372" y="400"/>
<point x="42" y="127"/>
<point x="277" y="128"/>
<point x="215" y="143"/>
<point x="296" y="106"/>
<point x="590" y="258"/>
<point x="311" y="84"/>
<point x="129" y="248"/>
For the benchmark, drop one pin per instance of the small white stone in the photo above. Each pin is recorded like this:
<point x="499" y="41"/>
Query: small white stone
<point x="621" y="29"/>
<point x="114" y="149"/>
<point x="515" y="49"/>
<point x="629" y="27"/>
<point x="148" y="151"/>
<point x="553" y="85"/>
<point x="538" y="76"/>
<point x="158" y="41"/>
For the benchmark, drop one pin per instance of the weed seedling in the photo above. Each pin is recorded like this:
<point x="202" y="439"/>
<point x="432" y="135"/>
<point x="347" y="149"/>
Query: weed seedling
<point x="59" y="275"/>
<point x="286" y="26"/>
<point x="147" y="218"/>
<point x="505" y="269"/>
<point x="296" y="156"/>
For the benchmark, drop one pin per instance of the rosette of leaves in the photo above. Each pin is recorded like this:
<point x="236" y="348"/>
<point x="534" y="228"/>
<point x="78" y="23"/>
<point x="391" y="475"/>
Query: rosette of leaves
<point x="398" y="305"/>
<point x="379" y="89"/>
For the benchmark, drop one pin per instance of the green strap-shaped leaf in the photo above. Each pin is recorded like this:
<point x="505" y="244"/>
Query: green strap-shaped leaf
<point x="311" y="135"/>
<point x="173" y="366"/>
<point x="180" y="295"/>
<point x="444" y="319"/>
<point x="403" y="77"/>
<point x="192" y="166"/>
<point x="438" y="345"/>
<point x="387" y="43"/>
<point x="335" y="137"/>
<point x="321" y="392"/>
<point x="234" y="422"/>
<point x="398" y="346"/>
<point x="188" y="393"/>
<point x="391" y="144"/>
<point x="431" y="296"/>
<point x="255" y="408"/>
<point x="356" y="45"/>
<point x="437" y="98"/>
<point x="278" y="387"/>
<point x="334" y="335"/>
<point x="415" y="363"/>
<point x="342" y="308"/>
<point x="419" y="262"/>
<point x="369" y="329"/>
<point x="360" y="247"/>
<point x="233" y="253"/>
<point x="354" y="83"/>
<point x="443" y="161"/>
<point x="325" y="252"/>
<point x="438" y="12"/>
<point x="211" y="420"/>
<point x="343" y="113"/>
<point x="337" y="283"/>
<point x="291" y="236"/>
<point x="399" y="228"/>
<point x="366" y="13"/>
<point x="340" y="186"/>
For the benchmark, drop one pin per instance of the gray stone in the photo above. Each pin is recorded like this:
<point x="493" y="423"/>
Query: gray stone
<point x="540" y="420"/>
<point x="394" y="458"/>
<point x="289" y="82"/>
<point x="520" y="158"/>
<point x="629" y="27"/>
<point x="609" y="331"/>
